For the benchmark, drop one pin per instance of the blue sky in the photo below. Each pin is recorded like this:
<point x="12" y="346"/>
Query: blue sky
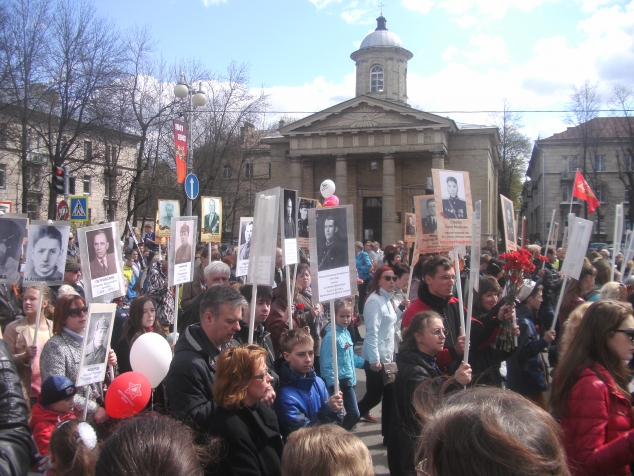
<point x="468" y="54"/>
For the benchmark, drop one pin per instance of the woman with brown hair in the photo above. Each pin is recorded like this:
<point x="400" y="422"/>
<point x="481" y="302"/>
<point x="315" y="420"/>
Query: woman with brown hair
<point x="249" y="429"/>
<point x="422" y="341"/>
<point x="591" y="395"/>
<point x="142" y="319"/>
<point x="277" y="322"/>
<point x="19" y="337"/>
<point x="62" y="353"/>
<point x="486" y="431"/>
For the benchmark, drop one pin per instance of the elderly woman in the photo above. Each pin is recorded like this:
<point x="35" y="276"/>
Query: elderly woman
<point x="62" y="353"/>
<point x="249" y="429"/>
<point x="19" y="336"/>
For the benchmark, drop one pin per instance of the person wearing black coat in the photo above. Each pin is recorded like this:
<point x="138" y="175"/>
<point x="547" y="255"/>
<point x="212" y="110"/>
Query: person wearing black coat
<point x="15" y="434"/>
<point x="248" y="428"/>
<point x="422" y="341"/>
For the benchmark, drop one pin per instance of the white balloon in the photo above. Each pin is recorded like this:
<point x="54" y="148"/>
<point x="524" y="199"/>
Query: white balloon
<point x="327" y="188"/>
<point x="151" y="356"/>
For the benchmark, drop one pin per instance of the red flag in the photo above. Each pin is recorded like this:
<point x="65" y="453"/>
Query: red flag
<point x="583" y="191"/>
<point x="180" y="144"/>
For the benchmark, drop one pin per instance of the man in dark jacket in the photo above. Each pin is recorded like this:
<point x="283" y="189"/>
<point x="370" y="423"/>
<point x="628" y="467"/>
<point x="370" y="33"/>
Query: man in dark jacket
<point x="15" y="434"/>
<point x="192" y="371"/>
<point x="526" y="369"/>
<point x="552" y="285"/>
<point x="260" y="336"/>
<point x="435" y="293"/>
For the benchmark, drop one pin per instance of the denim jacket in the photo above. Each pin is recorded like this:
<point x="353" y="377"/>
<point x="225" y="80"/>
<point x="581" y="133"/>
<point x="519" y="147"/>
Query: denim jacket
<point x="380" y="319"/>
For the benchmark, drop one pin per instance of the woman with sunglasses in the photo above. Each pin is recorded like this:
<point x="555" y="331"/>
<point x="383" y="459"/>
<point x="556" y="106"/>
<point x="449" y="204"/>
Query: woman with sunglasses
<point x="62" y="353"/>
<point x="380" y="315"/>
<point x="591" y="396"/>
<point x="422" y="341"/>
<point x="249" y="429"/>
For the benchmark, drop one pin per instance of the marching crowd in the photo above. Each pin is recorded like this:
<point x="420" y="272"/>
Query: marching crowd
<point x="270" y="408"/>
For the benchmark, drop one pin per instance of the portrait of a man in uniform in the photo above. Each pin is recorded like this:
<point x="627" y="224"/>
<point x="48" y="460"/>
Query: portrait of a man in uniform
<point x="454" y="207"/>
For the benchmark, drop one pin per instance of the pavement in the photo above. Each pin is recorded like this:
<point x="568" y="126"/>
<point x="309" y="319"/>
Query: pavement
<point x="370" y="433"/>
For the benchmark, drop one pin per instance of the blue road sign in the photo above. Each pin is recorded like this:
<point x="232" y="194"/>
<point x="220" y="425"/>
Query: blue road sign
<point x="191" y="186"/>
<point x="78" y="208"/>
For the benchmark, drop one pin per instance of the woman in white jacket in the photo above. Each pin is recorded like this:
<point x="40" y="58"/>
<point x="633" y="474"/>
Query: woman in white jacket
<point x="380" y="315"/>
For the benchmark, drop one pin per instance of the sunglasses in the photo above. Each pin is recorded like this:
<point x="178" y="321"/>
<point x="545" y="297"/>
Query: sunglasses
<point x="628" y="332"/>
<point x="77" y="311"/>
<point x="390" y="278"/>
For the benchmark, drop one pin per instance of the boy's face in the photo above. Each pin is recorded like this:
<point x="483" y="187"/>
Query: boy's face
<point x="533" y="303"/>
<point x="262" y="310"/>
<point x="64" y="406"/>
<point x="300" y="359"/>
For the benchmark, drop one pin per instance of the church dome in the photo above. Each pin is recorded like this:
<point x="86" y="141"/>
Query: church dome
<point x="381" y="36"/>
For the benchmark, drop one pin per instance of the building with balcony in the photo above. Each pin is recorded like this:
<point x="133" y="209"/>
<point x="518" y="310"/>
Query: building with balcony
<point x="605" y="142"/>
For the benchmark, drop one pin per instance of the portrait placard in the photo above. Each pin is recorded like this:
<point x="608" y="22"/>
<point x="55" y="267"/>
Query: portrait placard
<point x="476" y="245"/>
<point x="100" y="253"/>
<point x="427" y="223"/>
<point x="13" y="233"/>
<point x="264" y="242"/>
<point x="167" y="209"/>
<point x="211" y="221"/>
<point x="46" y="253"/>
<point x="94" y="352"/>
<point x="288" y="227"/>
<point x="578" y="244"/>
<point x="333" y="269"/>
<point x="305" y="204"/>
<point x="508" y="217"/>
<point x="410" y="228"/>
<point x="244" y="249"/>
<point x="182" y="250"/>
<point x="452" y="192"/>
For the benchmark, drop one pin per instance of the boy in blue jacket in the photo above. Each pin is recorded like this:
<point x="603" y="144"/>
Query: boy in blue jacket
<point x="347" y="360"/>
<point x="302" y="398"/>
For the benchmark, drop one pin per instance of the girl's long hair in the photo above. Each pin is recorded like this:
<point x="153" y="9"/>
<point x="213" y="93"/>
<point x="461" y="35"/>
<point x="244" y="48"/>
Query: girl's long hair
<point x="133" y="327"/>
<point x="589" y="347"/>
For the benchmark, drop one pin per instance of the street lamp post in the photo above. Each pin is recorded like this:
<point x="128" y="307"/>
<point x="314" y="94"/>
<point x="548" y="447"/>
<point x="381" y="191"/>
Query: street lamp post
<point x="196" y="98"/>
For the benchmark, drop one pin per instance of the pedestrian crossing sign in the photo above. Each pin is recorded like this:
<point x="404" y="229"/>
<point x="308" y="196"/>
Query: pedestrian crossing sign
<point x="78" y="208"/>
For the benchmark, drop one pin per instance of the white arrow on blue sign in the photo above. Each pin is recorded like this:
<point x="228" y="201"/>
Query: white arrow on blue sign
<point x="191" y="186"/>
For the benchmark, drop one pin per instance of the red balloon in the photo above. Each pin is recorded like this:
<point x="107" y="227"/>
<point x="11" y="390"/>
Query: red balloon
<point x="331" y="201"/>
<point x="127" y="395"/>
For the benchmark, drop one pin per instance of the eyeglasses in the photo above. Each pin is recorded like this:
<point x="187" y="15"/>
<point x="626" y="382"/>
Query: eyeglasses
<point x="390" y="278"/>
<point x="77" y="311"/>
<point x="628" y="332"/>
<point x="447" y="277"/>
<point x="421" y="468"/>
<point x="438" y="332"/>
<point x="262" y="376"/>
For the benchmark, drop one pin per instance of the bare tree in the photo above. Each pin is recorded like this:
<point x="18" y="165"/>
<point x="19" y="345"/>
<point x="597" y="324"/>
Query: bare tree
<point x="514" y="152"/>
<point x="584" y="106"/>
<point x="621" y="105"/>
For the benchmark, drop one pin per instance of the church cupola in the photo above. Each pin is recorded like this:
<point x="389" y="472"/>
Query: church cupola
<point x="381" y="63"/>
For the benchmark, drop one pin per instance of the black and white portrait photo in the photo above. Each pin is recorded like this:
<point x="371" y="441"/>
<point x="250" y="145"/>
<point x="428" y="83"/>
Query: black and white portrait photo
<point x="12" y="234"/>
<point x="410" y="227"/>
<point x="211" y="222"/>
<point x="302" y="218"/>
<point x="101" y="251"/>
<point x="184" y="239"/>
<point x="454" y="205"/>
<point x="167" y="210"/>
<point x="508" y="215"/>
<point x="428" y="216"/>
<point x="96" y="351"/>
<point x="332" y="238"/>
<point x="246" y="232"/>
<point x="46" y="255"/>
<point x="288" y="203"/>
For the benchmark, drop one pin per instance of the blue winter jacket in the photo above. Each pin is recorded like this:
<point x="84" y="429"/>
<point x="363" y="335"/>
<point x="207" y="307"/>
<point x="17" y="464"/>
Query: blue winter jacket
<point x="347" y="360"/>
<point x="363" y="265"/>
<point x="302" y="401"/>
<point x="525" y="368"/>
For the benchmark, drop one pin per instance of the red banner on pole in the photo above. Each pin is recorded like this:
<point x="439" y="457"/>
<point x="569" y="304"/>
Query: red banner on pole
<point x="180" y="145"/>
<point x="583" y="191"/>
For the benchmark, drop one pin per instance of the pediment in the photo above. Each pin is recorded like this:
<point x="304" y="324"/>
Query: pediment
<point x="364" y="113"/>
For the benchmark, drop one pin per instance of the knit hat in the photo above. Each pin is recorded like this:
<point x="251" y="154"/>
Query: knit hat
<point x="57" y="388"/>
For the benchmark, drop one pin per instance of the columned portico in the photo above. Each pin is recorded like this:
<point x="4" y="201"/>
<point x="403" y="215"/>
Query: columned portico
<point x="341" y="179"/>
<point x="389" y="201"/>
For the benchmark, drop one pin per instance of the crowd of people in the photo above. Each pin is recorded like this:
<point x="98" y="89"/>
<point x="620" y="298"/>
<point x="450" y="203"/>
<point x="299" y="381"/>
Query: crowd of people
<point x="276" y="407"/>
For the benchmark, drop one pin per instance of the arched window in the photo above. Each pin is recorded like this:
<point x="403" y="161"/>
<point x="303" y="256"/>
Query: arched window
<point x="376" y="79"/>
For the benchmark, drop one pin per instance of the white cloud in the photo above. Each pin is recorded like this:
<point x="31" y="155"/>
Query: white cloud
<point x="356" y="15"/>
<point x="422" y="6"/>
<point x="323" y="3"/>
<point x="483" y="49"/>
<point x="589" y="6"/>
<point x="466" y="21"/>
<point x="209" y="3"/>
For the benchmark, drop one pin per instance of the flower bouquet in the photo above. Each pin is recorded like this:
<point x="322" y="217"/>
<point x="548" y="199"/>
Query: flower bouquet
<point x="519" y="265"/>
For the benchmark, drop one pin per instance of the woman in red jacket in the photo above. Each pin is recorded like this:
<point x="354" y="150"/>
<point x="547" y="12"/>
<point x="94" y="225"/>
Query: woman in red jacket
<point x="591" y="394"/>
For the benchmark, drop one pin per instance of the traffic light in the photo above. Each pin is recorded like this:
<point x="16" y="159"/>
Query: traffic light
<point x="58" y="180"/>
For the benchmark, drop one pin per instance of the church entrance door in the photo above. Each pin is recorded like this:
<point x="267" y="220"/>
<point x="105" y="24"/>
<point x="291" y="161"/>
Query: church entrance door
<point x="372" y="218"/>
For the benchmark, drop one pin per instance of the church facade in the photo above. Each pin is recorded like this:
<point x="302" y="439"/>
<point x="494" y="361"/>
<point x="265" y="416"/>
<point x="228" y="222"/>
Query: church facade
<point x="380" y="151"/>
